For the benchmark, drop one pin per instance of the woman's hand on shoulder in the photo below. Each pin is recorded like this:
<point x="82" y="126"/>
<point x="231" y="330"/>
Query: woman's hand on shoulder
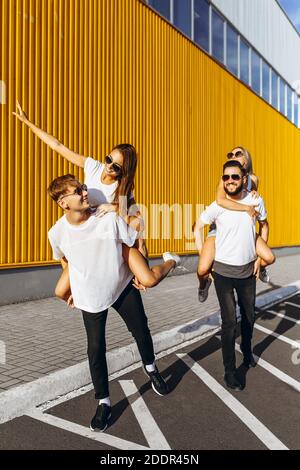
<point x="105" y="208"/>
<point x="252" y="212"/>
<point x="255" y="194"/>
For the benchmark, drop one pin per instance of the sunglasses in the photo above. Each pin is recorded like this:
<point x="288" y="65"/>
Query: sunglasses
<point x="234" y="177"/>
<point x="109" y="161"/>
<point x="237" y="154"/>
<point x="77" y="191"/>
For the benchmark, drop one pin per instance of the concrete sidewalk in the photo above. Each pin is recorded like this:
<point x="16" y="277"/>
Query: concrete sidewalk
<point x="44" y="336"/>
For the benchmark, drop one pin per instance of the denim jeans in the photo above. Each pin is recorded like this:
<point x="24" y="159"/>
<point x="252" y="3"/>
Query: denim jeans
<point x="246" y="292"/>
<point x="130" y="307"/>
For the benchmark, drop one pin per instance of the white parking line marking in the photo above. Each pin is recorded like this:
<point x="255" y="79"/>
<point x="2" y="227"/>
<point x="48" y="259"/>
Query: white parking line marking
<point x="274" y="371"/>
<point x="292" y="304"/>
<point x="74" y="428"/>
<point x="256" y="426"/>
<point x="286" y="317"/>
<point x="148" y="425"/>
<point x="283" y="338"/>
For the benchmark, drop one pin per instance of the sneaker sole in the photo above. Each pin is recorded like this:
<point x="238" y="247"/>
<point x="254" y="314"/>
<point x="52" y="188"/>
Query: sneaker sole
<point x="98" y="429"/>
<point x="249" y="366"/>
<point x="160" y="394"/>
<point x="205" y="292"/>
<point x="154" y="389"/>
<point x="236" y="389"/>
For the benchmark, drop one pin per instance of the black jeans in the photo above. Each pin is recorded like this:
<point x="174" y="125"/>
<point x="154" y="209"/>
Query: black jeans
<point x="246" y="291"/>
<point x="130" y="306"/>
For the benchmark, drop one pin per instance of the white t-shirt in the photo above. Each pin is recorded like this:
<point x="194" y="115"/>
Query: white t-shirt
<point x="98" y="273"/>
<point x="236" y="234"/>
<point x="99" y="193"/>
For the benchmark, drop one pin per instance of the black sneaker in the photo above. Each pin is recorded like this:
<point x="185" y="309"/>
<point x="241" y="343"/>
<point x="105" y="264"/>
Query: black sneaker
<point x="100" y="420"/>
<point x="264" y="275"/>
<point x="203" y="293"/>
<point x="249" y="361"/>
<point x="232" y="382"/>
<point x="158" y="384"/>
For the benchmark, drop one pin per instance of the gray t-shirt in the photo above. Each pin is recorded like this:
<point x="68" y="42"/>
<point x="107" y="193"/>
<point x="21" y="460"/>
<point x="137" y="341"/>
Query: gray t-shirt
<point x="236" y="272"/>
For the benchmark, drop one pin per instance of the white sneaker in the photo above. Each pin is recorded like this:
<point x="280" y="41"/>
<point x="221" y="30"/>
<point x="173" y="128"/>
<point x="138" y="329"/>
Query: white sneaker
<point x="167" y="256"/>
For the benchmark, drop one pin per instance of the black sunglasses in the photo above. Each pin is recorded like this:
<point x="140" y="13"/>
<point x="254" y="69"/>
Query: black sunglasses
<point x="77" y="191"/>
<point x="234" y="177"/>
<point x="237" y="154"/>
<point x="117" y="168"/>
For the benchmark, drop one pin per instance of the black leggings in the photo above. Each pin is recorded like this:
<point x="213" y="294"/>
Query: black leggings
<point x="130" y="306"/>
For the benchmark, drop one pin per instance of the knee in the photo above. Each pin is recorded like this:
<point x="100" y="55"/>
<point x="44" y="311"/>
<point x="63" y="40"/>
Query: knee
<point x="149" y="280"/>
<point x="96" y="350"/>
<point x="60" y="293"/>
<point x="202" y="271"/>
<point x="228" y="325"/>
<point x="141" y="332"/>
<point x="271" y="259"/>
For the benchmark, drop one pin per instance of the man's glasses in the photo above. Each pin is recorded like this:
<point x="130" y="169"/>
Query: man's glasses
<point x="115" y="166"/>
<point x="77" y="191"/>
<point x="234" y="177"/>
<point x="237" y="154"/>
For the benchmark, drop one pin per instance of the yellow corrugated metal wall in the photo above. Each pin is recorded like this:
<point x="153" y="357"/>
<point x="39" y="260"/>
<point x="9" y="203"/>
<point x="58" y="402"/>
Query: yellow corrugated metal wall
<point x="95" y="73"/>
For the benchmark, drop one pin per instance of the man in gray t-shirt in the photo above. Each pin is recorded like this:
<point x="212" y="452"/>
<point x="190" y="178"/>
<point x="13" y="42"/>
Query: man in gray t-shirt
<point x="234" y="266"/>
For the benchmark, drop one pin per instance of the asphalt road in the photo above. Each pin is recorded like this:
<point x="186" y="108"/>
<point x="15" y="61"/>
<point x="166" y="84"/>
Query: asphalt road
<point x="199" y="413"/>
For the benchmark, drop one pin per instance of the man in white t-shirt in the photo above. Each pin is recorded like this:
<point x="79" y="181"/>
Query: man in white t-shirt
<point x="235" y="267"/>
<point x="99" y="279"/>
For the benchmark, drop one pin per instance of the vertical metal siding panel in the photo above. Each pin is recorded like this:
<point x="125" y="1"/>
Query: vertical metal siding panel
<point x="76" y="92"/>
<point x="27" y="163"/>
<point x="20" y="26"/>
<point x="47" y="155"/>
<point x="69" y="105"/>
<point x="94" y="116"/>
<point x="3" y="130"/>
<point x="11" y="216"/>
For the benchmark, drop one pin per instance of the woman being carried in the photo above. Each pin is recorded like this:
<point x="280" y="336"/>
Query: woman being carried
<point x="110" y="189"/>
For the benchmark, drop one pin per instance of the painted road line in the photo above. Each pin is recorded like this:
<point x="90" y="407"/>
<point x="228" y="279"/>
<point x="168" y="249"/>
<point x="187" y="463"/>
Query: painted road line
<point x="83" y="390"/>
<point x="283" y="338"/>
<point x="148" y="425"/>
<point x="274" y="371"/>
<point x="282" y="315"/>
<point x="256" y="426"/>
<point x="83" y="431"/>
<point x="292" y="304"/>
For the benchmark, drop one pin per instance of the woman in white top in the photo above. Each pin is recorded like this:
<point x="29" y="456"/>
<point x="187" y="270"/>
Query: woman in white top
<point x="110" y="187"/>
<point x="265" y="255"/>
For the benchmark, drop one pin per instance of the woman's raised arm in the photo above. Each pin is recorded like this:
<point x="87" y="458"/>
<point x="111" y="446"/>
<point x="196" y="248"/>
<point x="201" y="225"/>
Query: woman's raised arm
<point x="51" y="141"/>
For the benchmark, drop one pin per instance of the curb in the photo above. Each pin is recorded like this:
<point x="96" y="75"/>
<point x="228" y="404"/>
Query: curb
<point x="19" y="400"/>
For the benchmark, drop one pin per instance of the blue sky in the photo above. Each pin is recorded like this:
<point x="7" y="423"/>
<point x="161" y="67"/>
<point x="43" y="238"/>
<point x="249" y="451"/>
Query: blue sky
<point x="292" y="8"/>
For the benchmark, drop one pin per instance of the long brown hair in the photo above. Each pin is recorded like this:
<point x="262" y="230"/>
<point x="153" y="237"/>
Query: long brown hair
<point x="126" y="179"/>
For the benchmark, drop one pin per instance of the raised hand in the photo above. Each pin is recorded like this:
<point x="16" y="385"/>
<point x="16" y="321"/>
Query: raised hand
<point x="20" y="114"/>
